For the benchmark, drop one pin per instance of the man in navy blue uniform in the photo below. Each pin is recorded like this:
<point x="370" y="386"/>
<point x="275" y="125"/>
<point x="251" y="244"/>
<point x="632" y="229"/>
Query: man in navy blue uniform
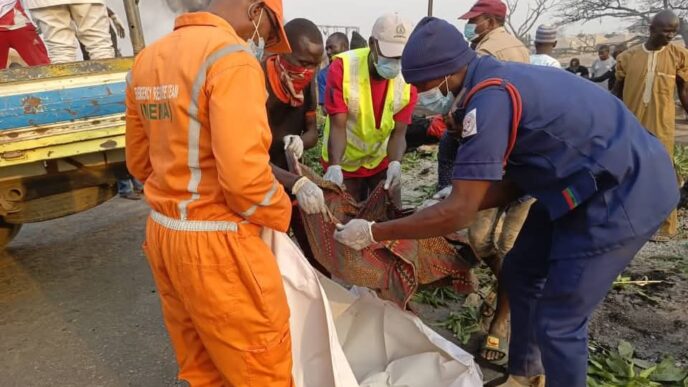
<point x="603" y="186"/>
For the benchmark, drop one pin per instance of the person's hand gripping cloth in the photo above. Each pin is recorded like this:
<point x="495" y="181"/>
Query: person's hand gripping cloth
<point x="396" y="269"/>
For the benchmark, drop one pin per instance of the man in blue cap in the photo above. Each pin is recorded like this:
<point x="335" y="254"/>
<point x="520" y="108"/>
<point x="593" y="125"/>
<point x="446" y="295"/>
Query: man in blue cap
<point x="603" y="186"/>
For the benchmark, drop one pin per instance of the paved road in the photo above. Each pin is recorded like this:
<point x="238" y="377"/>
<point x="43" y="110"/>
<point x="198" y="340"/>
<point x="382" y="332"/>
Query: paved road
<point x="78" y="305"/>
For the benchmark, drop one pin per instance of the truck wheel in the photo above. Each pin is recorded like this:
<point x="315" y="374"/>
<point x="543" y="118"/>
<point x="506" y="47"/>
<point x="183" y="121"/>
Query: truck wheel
<point x="7" y="232"/>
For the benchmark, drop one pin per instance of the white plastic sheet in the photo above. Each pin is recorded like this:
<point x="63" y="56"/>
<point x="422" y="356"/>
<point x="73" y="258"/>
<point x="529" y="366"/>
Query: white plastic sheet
<point x="345" y="338"/>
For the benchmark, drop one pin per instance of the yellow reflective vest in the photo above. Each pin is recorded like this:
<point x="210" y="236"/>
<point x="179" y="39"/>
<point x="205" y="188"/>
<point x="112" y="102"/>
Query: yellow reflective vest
<point x="366" y="145"/>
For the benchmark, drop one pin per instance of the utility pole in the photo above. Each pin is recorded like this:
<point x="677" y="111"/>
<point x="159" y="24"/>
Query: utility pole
<point x="430" y="7"/>
<point x="131" y="8"/>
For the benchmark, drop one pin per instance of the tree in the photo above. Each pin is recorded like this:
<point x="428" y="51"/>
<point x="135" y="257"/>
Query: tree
<point x="639" y="12"/>
<point x="585" y="42"/>
<point x="535" y="11"/>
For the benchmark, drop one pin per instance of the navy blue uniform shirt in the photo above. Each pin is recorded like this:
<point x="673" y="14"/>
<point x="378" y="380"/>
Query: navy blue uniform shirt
<point x="603" y="177"/>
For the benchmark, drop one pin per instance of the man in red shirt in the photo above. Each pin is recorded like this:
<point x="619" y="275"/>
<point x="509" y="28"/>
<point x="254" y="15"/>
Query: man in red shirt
<point x="17" y="32"/>
<point x="369" y="106"/>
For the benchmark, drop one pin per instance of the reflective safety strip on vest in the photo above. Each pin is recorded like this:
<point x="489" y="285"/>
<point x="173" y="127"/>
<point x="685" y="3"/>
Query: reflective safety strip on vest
<point x="366" y="144"/>
<point x="195" y="125"/>
<point x="399" y="93"/>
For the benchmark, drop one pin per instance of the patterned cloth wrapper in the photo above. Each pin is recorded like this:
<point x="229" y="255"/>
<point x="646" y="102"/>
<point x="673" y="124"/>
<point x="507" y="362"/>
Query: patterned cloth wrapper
<point x="395" y="269"/>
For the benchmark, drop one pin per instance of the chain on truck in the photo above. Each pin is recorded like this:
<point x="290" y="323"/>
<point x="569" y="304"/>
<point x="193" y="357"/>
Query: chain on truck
<point x="62" y="136"/>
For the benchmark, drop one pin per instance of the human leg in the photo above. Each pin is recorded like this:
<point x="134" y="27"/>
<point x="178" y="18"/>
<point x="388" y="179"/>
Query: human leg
<point x="524" y="273"/>
<point x="232" y="290"/>
<point x="29" y="46"/>
<point x="195" y="365"/>
<point x="56" y="24"/>
<point x="93" y="29"/>
<point x="575" y="287"/>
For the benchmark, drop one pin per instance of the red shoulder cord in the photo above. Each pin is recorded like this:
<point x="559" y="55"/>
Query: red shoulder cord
<point x="516" y="103"/>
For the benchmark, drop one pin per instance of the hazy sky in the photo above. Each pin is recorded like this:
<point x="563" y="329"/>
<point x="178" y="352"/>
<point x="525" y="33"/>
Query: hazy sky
<point x="158" y="20"/>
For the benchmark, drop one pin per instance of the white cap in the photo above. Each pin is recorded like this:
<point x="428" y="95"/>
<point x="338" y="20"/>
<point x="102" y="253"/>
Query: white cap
<point x="392" y="32"/>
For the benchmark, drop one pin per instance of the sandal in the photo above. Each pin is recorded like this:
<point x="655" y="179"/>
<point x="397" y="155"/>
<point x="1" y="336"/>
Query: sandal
<point x="496" y="344"/>
<point x="524" y="381"/>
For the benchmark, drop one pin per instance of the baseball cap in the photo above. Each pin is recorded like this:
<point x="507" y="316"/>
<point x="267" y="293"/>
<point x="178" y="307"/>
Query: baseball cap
<point x="392" y="32"/>
<point x="282" y="47"/>
<point x="485" y="7"/>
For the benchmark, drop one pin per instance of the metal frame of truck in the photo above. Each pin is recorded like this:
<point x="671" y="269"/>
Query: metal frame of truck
<point x="62" y="136"/>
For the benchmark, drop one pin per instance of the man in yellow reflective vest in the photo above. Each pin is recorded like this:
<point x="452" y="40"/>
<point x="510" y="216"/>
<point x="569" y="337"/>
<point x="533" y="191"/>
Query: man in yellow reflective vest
<point x="369" y="106"/>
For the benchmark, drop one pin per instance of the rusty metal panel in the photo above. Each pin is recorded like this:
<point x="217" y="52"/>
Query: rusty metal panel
<point x="53" y="152"/>
<point x="104" y="66"/>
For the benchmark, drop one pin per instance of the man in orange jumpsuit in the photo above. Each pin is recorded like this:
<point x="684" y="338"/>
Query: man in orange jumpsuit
<point x="198" y="137"/>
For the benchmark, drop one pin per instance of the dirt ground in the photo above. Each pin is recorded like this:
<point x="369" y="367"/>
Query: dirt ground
<point x="653" y="318"/>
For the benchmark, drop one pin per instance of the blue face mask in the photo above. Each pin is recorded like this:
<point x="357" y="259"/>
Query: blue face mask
<point x="436" y="102"/>
<point x="258" y="49"/>
<point x="388" y="68"/>
<point x="469" y="32"/>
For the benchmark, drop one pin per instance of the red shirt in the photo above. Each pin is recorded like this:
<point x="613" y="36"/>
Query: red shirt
<point x="14" y="19"/>
<point x="334" y="98"/>
<point x="335" y="104"/>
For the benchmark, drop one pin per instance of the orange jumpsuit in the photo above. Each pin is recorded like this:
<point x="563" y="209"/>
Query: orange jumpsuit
<point x="198" y="136"/>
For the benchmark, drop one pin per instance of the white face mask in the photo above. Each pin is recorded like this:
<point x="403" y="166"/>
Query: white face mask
<point x="436" y="102"/>
<point x="258" y="49"/>
<point x="388" y="68"/>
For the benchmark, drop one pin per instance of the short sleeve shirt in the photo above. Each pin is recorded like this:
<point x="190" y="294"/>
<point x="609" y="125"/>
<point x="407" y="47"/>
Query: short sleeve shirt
<point x="601" y="67"/>
<point x="486" y="127"/>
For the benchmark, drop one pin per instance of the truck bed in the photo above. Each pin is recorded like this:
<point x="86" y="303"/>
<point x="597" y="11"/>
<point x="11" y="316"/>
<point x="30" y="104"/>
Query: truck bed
<point x="57" y="111"/>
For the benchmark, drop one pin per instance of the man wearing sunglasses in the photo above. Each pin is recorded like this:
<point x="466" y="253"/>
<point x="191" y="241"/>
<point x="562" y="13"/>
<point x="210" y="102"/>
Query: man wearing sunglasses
<point x="198" y="137"/>
<point x="369" y="106"/>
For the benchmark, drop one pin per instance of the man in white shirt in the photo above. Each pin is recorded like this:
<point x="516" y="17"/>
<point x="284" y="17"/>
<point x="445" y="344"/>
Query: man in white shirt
<point x="63" y="21"/>
<point x="602" y="65"/>
<point x="545" y="41"/>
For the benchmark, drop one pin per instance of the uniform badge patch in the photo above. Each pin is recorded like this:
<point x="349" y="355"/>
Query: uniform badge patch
<point x="470" y="124"/>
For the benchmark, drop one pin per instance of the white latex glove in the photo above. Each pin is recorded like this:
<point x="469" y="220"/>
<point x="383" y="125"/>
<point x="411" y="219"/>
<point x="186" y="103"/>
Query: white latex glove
<point x="294" y="144"/>
<point x="356" y="234"/>
<point x="334" y="174"/>
<point x="119" y="27"/>
<point x="393" y="175"/>
<point x="310" y="197"/>
<point x="443" y="194"/>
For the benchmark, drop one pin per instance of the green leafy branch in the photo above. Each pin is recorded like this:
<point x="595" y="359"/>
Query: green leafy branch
<point x="462" y="324"/>
<point x="609" y="368"/>
<point x="437" y="297"/>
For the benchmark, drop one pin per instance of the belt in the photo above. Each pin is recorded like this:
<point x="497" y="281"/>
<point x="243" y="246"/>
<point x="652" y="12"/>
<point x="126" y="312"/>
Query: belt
<point x="192" y="225"/>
